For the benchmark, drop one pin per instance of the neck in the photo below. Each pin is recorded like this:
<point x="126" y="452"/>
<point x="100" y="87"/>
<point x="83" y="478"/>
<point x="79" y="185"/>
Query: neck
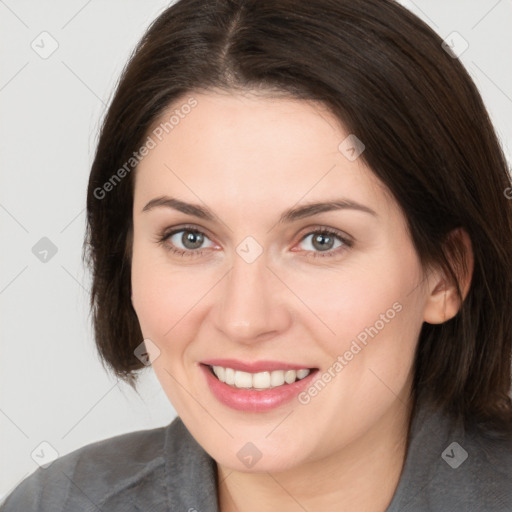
<point x="361" y="476"/>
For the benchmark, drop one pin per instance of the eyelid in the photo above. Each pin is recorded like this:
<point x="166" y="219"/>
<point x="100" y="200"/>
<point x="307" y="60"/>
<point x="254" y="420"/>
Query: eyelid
<point x="346" y="240"/>
<point x="322" y="228"/>
<point x="167" y="232"/>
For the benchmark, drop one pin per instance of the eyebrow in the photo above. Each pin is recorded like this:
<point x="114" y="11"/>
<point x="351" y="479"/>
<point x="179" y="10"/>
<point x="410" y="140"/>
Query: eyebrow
<point x="290" y="215"/>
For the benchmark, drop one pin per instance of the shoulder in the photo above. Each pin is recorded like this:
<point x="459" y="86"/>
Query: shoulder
<point x="488" y="472"/>
<point x="451" y="468"/>
<point x="89" y="476"/>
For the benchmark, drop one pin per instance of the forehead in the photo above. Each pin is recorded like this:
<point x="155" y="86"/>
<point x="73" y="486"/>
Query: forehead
<point x="250" y="148"/>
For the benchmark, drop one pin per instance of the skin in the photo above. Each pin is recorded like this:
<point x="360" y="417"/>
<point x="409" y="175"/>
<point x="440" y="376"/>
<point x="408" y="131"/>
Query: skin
<point x="248" y="158"/>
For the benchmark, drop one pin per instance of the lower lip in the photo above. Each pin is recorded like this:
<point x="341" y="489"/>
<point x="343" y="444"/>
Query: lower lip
<point x="251" y="400"/>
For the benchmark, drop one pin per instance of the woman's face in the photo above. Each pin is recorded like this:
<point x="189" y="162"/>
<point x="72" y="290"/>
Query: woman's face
<point x="257" y="285"/>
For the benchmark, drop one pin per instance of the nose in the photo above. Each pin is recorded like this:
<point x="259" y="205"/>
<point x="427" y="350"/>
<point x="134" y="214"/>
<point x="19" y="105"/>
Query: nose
<point x="252" y="306"/>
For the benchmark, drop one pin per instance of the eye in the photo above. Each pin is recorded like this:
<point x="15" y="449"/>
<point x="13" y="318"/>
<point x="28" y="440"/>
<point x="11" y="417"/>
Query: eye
<point x="325" y="243"/>
<point x="186" y="241"/>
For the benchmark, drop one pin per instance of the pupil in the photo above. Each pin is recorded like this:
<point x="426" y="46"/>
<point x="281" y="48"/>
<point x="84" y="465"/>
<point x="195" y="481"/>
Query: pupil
<point x="192" y="240"/>
<point x="324" y="241"/>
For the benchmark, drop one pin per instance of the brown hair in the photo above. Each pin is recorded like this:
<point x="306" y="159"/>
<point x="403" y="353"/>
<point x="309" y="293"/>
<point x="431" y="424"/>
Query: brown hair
<point x="427" y="136"/>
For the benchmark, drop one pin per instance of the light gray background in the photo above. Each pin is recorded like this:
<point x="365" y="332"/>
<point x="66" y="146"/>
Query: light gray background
<point x="52" y="387"/>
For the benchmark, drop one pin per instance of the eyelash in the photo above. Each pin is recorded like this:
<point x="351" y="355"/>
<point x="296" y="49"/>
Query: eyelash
<point x="165" y="235"/>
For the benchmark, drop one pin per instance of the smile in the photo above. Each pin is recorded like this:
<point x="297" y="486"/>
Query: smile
<point x="255" y="386"/>
<point x="259" y="380"/>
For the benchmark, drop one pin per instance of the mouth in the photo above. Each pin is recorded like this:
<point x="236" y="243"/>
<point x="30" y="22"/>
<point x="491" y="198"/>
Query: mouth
<point x="268" y="386"/>
<point x="258" y="381"/>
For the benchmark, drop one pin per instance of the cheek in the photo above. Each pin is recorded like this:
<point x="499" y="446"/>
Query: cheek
<point x="165" y="297"/>
<point x="343" y="302"/>
<point x="365" y="313"/>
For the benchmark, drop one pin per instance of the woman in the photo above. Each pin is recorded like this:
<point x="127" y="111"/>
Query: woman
<point x="297" y="214"/>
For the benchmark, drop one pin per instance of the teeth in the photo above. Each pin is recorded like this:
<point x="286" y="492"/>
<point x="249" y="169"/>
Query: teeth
<point x="277" y="378"/>
<point x="229" y="375"/>
<point x="302" y="373"/>
<point x="243" y="380"/>
<point x="290" y="376"/>
<point x="260" y="380"/>
<point x="221" y="373"/>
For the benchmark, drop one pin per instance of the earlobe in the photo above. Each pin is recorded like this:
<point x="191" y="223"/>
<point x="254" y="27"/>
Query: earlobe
<point x="443" y="302"/>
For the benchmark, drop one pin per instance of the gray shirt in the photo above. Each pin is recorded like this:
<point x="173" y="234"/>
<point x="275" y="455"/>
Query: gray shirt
<point x="165" y="469"/>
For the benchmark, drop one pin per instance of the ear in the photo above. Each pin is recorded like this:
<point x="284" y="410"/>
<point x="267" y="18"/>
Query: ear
<point x="443" y="302"/>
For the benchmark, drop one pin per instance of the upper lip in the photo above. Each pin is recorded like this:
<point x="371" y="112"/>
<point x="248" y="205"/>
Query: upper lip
<point x="255" y="366"/>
